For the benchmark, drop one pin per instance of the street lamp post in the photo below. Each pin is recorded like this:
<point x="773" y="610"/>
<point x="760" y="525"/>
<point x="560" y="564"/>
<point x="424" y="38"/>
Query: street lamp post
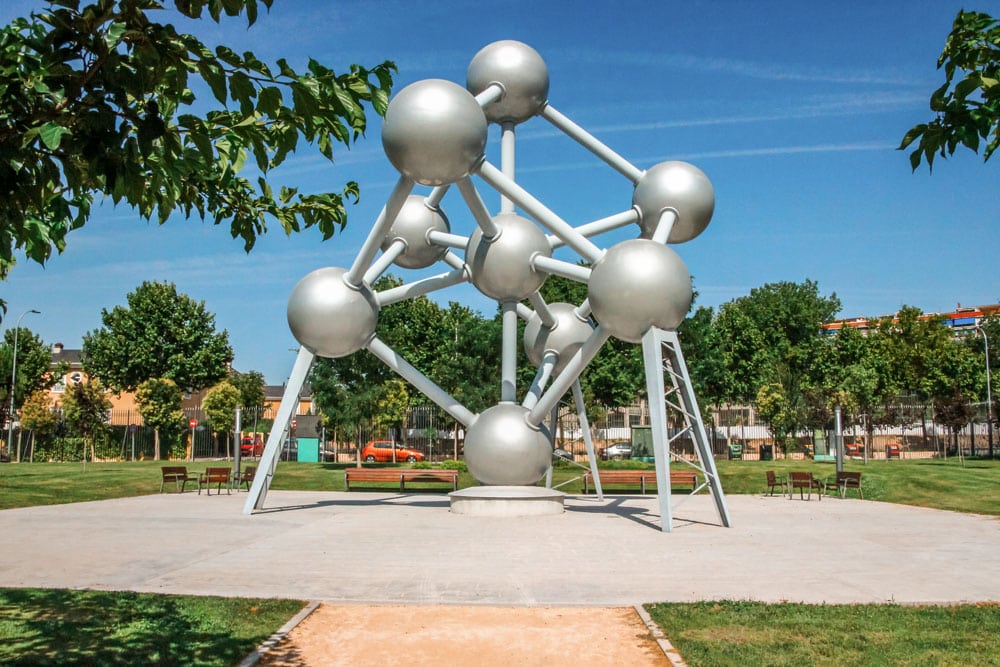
<point x="13" y="380"/>
<point x="989" y="392"/>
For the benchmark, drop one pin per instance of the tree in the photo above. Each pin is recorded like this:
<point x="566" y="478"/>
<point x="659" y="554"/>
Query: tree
<point x="772" y="335"/>
<point x="774" y="408"/>
<point x="38" y="417"/>
<point x="967" y="112"/>
<point x="97" y="101"/>
<point x="85" y="409"/>
<point x="34" y="368"/>
<point x="220" y="405"/>
<point x="159" y="401"/>
<point x="251" y="388"/>
<point x="161" y="334"/>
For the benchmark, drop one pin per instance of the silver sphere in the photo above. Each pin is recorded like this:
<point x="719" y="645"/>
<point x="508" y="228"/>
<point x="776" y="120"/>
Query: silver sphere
<point x="682" y="187"/>
<point x="639" y="284"/>
<point x="411" y="226"/>
<point x="501" y="267"/>
<point x="434" y="132"/>
<point x="501" y="448"/>
<point x="568" y="335"/>
<point x="329" y="317"/>
<point x="522" y="73"/>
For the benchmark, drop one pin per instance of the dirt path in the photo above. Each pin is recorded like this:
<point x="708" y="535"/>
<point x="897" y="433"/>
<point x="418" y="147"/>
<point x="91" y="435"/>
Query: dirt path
<point x="458" y="635"/>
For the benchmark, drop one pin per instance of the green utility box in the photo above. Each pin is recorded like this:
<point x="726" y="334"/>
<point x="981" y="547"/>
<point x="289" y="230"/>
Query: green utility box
<point x="309" y="450"/>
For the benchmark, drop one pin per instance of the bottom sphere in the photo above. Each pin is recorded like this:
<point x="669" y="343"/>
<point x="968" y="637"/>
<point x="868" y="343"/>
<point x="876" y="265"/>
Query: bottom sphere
<point x="501" y="448"/>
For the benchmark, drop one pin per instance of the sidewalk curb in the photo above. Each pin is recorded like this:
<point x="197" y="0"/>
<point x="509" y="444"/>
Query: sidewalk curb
<point x="280" y="634"/>
<point x="672" y="654"/>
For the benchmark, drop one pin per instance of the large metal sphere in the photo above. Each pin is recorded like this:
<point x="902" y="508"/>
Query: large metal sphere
<point x="329" y="317"/>
<point x="501" y="267"/>
<point x="434" y="132"/>
<point x="502" y="449"/>
<point x="682" y="187"/>
<point x="568" y="335"/>
<point x="412" y="225"/>
<point x="522" y="73"/>
<point x="636" y="285"/>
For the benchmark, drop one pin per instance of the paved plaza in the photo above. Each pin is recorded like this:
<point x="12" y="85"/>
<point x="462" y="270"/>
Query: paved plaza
<point x="387" y="548"/>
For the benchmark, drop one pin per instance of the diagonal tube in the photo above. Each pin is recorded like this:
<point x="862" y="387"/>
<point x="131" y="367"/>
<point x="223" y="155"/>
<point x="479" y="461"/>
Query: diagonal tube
<point x="422" y="383"/>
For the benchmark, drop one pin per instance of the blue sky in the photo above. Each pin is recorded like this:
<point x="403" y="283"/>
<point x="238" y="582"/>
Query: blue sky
<point x="794" y="110"/>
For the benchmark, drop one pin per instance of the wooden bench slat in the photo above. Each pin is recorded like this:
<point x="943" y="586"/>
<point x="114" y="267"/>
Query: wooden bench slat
<point x="400" y="476"/>
<point x="639" y="478"/>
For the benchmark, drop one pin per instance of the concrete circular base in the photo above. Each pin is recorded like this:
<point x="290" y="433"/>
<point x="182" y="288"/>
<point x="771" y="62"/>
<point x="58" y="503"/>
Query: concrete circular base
<point x="507" y="501"/>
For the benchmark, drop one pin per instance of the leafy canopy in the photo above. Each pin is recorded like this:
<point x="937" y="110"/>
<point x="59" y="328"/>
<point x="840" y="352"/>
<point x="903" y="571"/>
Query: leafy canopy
<point x="96" y="101"/>
<point x="967" y="109"/>
<point x="161" y="334"/>
<point x="34" y="367"/>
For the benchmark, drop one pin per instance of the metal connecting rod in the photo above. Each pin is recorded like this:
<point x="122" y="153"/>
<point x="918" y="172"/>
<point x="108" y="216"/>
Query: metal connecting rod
<point x="286" y="410"/>
<point x="447" y="240"/>
<point x="454" y="261"/>
<point x="541" y="379"/>
<point x="581" y="274"/>
<point x="508" y="353"/>
<point x="568" y="376"/>
<point x="583" y="310"/>
<point x="397" y="198"/>
<point x="539" y="212"/>
<point x="588" y="141"/>
<point x="420" y="287"/>
<point x="542" y="308"/>
<point x="385" y="260"/>
<point x="596" y="227"/>
<point x="666" y="223"/>
<point x="422" y="383"/>
<point x="478" y="209"/>
<point x="433" y="200"/>
<point x="507" y="162"/>
<point x="524" y="312"/>
<point x="490" y="94"/>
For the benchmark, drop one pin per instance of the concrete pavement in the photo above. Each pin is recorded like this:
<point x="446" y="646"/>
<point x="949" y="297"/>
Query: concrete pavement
<point x="387" y="548"/>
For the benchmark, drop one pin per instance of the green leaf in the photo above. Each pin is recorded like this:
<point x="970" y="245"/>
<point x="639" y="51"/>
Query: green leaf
<point x="114" y="34"/>
<point x="51" y="134"/>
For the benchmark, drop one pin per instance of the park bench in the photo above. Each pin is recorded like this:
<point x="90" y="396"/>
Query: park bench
<point x="804" y="481"/>
<point x="640" y="478"/>
<point x="178" y="475"/>
<point x="844" y="481"/>
<point x="217" y="476"/>
<point x="246" y="477"/>
<point x="399" y="476"/>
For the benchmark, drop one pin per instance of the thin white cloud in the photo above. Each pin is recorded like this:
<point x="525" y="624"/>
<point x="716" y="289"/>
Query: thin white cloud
<point x="704" y="155"/>
<point x="818" y="107"/>
<point x="769" y="71"/>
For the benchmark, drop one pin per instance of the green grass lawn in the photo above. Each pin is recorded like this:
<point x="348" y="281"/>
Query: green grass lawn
<point x="755" y="633"/>
<point x="942" y="484"/>
<point x="61" y="627"/>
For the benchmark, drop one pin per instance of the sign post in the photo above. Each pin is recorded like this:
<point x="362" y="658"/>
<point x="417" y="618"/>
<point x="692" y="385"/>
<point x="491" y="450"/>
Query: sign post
<point x="193" y="424"/>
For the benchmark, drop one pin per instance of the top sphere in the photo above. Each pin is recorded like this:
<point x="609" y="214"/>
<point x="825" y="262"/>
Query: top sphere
<point x="682" y="187"/>
<point x="522" y="73"/>
<point x="434" y="132"/>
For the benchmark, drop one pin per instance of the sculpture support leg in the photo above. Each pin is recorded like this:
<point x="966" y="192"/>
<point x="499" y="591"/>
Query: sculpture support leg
<point x="286" y="410"/>
<point x="652" y="358"/>
<point x="581" y="411"/>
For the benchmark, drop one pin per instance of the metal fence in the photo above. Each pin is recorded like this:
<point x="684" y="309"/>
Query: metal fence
<point x="435" y="434"/>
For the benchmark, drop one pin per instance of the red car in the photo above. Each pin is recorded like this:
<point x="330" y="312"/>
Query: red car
<point x="252" y="446"/>
<point x="382" y="452"/>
